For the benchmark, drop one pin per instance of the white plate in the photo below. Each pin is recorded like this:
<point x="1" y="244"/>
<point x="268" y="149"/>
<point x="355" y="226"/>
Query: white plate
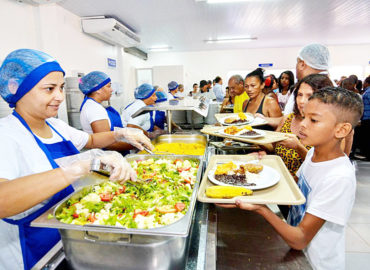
<point x="266" y="178"/>
<point x="249" y="120"/>
<point x="260" y="134"/>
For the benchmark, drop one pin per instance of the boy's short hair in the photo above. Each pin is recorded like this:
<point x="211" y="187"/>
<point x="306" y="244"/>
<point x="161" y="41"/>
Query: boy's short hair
<point x="349" y="106"/>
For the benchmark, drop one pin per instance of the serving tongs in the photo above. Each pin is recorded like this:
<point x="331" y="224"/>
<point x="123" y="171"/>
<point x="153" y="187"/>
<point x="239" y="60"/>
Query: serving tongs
<point x="98" y="167"/>
<point x="157" y="152"/>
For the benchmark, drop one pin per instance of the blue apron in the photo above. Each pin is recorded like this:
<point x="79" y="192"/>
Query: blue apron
<point x="151" y="129"/>
<point x="160" y="119"/>
<point x="151" y="117"/>
<point x="114" y="116"/>
<point x="36" y="242"/>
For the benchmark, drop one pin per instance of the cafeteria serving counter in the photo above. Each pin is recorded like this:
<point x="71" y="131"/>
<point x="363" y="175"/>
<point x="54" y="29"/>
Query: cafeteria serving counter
<point x="222" y="239"/>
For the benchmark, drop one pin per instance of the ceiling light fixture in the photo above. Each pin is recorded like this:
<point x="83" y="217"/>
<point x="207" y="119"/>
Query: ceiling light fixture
<point x="160" y="48"/>
<point x="230" y="40"/>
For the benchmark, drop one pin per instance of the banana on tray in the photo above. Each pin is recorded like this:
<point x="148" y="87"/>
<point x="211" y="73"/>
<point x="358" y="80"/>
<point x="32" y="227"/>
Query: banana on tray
<point x="225" y="192"/>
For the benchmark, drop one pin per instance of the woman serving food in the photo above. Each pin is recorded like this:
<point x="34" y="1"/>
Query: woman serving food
<point x="94" y="118"/>
<point x="33" y="143"/>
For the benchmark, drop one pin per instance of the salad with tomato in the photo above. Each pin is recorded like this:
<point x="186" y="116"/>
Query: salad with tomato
<point x="161" y="198"/>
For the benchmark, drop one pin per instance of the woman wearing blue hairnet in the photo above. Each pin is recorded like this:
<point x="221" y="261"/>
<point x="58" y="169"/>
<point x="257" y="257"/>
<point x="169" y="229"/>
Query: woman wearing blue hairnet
<point x="173" y="88"/>
<point x="145" y="95"/>
<point x="39" y="158"/>
<point x="96" y="86"/>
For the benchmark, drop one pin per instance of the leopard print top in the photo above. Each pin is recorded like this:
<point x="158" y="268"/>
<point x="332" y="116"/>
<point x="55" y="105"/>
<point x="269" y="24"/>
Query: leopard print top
<point x="290" y="157"/>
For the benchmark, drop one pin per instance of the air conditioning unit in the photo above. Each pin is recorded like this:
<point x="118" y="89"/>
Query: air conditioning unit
<point x="110" y="30"/>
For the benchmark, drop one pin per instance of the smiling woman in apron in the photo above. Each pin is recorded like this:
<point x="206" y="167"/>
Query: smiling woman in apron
<point x="31" y="142"/>
<point x="96" y="86"/>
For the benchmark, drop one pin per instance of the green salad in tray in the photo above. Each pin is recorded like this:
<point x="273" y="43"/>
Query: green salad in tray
<point x="161" y="197"/>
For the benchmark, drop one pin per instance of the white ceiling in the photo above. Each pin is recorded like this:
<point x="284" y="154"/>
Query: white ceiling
<point x="185" y="24"/>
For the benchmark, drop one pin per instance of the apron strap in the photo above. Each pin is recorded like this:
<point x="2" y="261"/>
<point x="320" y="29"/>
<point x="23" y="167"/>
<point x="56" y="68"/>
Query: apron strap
<point x="84" y="101"/>
<point x="40" y="144"/>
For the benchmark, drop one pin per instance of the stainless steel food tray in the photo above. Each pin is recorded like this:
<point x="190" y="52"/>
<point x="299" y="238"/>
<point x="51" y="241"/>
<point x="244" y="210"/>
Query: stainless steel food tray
<point x="178" y="228"/>
<point x="182" y="138"/>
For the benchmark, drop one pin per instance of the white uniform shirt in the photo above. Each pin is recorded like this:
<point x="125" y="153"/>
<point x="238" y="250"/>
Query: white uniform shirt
<point x="142" y="120"/>
<point x="180" y="94"/>
<point x="329" y="188"/>
<point x="20" y="155"/>
<point x="91" y="112"/>
<point x="170" y="96"/>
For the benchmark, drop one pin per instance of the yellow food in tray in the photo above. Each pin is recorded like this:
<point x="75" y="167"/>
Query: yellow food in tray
<point x="225" y="192"/>
<point x="179" y="148"/>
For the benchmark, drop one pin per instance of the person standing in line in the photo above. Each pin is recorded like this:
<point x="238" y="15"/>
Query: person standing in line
<point x="286" y="82"/>
<point x="237" y="90"/>
<point x="326" y="178"/>
<point x="217" y="89"/>
<point x="312" y="59"/>
<point x="195" y="90"/>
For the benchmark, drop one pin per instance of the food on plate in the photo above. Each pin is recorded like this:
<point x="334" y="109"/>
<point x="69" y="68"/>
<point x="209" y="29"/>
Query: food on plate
<point x="231" y="174"/>
<point x="231" y="120"/>
<point x="252" y="168"/>
<point x="160" y="200"/>
<point x="180" y="148"/>
<point x="225" y="192"/>
<point x="233" y="130"/>
<point x="241" y="118"/>
<point x="249" y="133"/>
<point x="225" y="168"/>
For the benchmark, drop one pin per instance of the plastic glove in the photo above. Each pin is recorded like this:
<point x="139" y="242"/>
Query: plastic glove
<point x="133" y="136"/>
<point x="76" y="166"/>
<point x="120" y="169"/>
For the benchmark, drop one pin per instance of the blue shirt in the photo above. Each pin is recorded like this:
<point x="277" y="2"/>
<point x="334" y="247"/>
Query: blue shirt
<point x="366" y="101"/>
<point x="217" y="89"/>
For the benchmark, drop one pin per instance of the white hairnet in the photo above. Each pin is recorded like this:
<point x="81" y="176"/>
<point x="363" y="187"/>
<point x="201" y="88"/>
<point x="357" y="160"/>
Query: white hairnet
<point x="315" y="55"/>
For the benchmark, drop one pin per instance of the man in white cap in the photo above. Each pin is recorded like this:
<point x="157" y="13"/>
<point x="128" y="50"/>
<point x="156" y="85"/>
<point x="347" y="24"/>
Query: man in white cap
<point x="312" y="59"/>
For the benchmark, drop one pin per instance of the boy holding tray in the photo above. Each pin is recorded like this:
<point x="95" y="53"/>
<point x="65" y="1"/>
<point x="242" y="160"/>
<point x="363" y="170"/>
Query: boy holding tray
<point x="326" y="178"/>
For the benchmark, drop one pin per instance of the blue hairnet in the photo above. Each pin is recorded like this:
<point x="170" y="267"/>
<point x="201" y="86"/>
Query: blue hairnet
<point x="315" y="55"/>
<point x="21" y="70"/>
<point x="160" y="96"/>
<point x="93" y="81"/>
<point x="144" y="91"/>
<point x="172" y="85"/>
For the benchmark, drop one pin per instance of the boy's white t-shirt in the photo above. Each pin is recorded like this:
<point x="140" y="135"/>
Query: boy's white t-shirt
<point x="20" y="156"/>
<point x="91" y="112"/>
<point x="329" y="188"/>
